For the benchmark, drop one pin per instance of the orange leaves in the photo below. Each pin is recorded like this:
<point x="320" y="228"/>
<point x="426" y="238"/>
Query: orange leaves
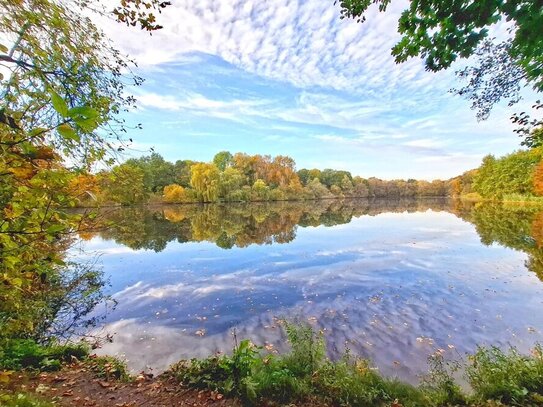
<point x="537" y="230"/>
<point x="538" y="179"/>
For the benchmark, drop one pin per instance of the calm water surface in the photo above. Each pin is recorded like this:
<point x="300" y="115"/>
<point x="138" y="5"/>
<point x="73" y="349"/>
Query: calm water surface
<point x="392" y="281"/>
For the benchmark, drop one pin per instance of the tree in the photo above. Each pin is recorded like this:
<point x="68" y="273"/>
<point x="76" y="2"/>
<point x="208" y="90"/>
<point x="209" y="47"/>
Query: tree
<point x="84" y="187"/>
<point x="511" y="174"/>
<point x="538" y="179"/>
<point x="440" y="31"/>
<point x="124" y="184"/>
<point x="260" y="191"/>
<point x="443" y="31"/>
<point x="174" y="194"/>
<point x="223" y="160"/>
<point x="182" y="172"/>
<point x="331" y="177"/>
<point x="494" y="76"/>
<point x="531" y="128"/>
<point x="157" y="171"/>
<point x="231" y="180"/>
<point x="62" y="87"/>
<point x="205" y="179"/>
<point x="317" y="190"/>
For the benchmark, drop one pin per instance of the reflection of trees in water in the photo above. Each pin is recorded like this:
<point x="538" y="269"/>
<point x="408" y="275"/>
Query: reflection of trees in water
<point x="516" y="227"/>
<point x="240" y="225"/>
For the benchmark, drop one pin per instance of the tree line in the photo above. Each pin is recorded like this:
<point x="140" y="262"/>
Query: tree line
<point x="234" y="178"/>
<point x="518" y="175"/>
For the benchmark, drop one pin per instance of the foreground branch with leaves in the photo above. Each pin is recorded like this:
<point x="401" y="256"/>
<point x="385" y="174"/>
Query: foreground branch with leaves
<point x="62" y="88"/>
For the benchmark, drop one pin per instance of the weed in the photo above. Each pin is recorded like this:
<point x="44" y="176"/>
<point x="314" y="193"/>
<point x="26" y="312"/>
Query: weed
<point x="439" y="384"/>
<point x="508" y="377"/>
<point x="108" y="368"/>
<point x="305" y="373"/>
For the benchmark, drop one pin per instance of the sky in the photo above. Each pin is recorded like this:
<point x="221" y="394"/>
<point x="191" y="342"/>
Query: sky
<point x="289" y="77"/>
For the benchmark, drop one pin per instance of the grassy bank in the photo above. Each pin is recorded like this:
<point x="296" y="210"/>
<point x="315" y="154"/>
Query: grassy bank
<point x="305" y="376"/>
<point x="305" y="373"/>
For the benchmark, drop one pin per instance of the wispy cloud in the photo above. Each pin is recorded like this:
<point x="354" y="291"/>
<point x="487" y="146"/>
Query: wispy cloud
<point x="291" y="77"/>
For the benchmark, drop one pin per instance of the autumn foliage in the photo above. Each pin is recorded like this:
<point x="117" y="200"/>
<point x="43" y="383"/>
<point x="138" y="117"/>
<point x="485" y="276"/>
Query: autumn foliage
<point x="538" y="179"/>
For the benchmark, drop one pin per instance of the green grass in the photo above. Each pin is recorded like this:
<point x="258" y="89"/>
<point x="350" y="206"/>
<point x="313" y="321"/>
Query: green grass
<point x="497" y="378"/>
<point x="507" y="376"/>
<point x="22" y="400"/>
<point x="17" y="354"/>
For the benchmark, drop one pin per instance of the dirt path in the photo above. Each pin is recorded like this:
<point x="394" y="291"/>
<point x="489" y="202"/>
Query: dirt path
<point x="77" y="386"/>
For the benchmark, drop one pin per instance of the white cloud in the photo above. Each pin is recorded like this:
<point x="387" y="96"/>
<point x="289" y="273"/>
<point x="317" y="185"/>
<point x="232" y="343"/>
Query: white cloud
<point x="302" y="42"/>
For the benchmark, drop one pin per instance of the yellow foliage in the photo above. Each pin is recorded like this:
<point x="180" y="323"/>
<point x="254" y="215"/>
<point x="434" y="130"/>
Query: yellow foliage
<point x="538" y="179"/>
<point x="174" y="194"/>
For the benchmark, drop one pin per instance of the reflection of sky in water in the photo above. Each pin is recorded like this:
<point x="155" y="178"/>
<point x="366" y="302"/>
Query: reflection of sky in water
<point x="392" y="287"/>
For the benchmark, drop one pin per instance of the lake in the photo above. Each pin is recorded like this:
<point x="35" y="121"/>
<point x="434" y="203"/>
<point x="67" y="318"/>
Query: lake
<point x="393" y="281"/>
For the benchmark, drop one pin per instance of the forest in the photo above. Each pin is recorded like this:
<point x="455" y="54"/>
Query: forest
<point x="241" y="177"/>
<point x="234" y="178"/>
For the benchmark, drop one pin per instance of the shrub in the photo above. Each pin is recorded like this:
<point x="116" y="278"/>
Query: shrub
<point x="25" y="353"/>
<point x="508" y="377"/>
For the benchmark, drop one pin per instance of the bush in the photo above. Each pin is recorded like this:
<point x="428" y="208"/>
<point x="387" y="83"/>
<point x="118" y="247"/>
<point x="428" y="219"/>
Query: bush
<point x="19" y="354"/>
<point x="302" y="373"/>
<point x="508" y="377"/>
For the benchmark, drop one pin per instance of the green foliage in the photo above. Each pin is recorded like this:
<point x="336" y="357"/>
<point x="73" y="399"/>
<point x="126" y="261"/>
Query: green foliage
<point x="509" y="377"/>
<point x="157" y="172"/>
<point x="229" y="375"/>
<point x="223" y="160"/>
<point x="17" y="354"/>
<point x="63" y="90"/>
<point x="302" y="373"/>
<point x="124" y="184"/>
<point x="439" y="384"/>
<point x="205" y="180"/>
<point x="442" y="31"/>
<point x="305" y="373"/>
<point x="108" y="368"/>
<point x="23" y="400"/>
<point x="240" y="178"/>
<point x="511" y="174"/>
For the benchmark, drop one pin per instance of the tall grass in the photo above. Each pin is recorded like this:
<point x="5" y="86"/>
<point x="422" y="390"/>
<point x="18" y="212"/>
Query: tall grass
<point x="497" y="378"/>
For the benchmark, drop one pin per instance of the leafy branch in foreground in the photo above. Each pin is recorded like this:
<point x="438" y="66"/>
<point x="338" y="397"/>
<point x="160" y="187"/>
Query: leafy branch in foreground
<point x="62" y="90"/>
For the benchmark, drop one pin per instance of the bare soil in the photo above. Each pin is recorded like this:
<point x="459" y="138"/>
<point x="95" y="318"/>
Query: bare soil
<point x="75" y="385"/>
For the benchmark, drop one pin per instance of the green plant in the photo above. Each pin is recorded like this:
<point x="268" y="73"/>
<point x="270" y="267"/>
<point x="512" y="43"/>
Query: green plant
<point x="108" y="368"/>
<point x="508" y="376"/>
<point x="25" y="353"/>
<point x="439" y="384"/>
<point x="22" y="400"/>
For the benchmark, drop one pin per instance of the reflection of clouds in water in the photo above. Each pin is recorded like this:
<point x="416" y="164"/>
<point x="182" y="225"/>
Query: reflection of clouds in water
<point x="394" y="318"/>
<point x="391" y="287"/>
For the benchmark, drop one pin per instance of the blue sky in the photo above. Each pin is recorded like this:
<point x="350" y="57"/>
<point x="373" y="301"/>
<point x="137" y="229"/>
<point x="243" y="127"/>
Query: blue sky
<point x="290" y="77"/>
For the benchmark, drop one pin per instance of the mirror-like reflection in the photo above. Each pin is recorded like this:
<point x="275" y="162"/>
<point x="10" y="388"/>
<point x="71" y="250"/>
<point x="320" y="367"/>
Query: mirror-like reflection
<point x="390" y="280"/>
